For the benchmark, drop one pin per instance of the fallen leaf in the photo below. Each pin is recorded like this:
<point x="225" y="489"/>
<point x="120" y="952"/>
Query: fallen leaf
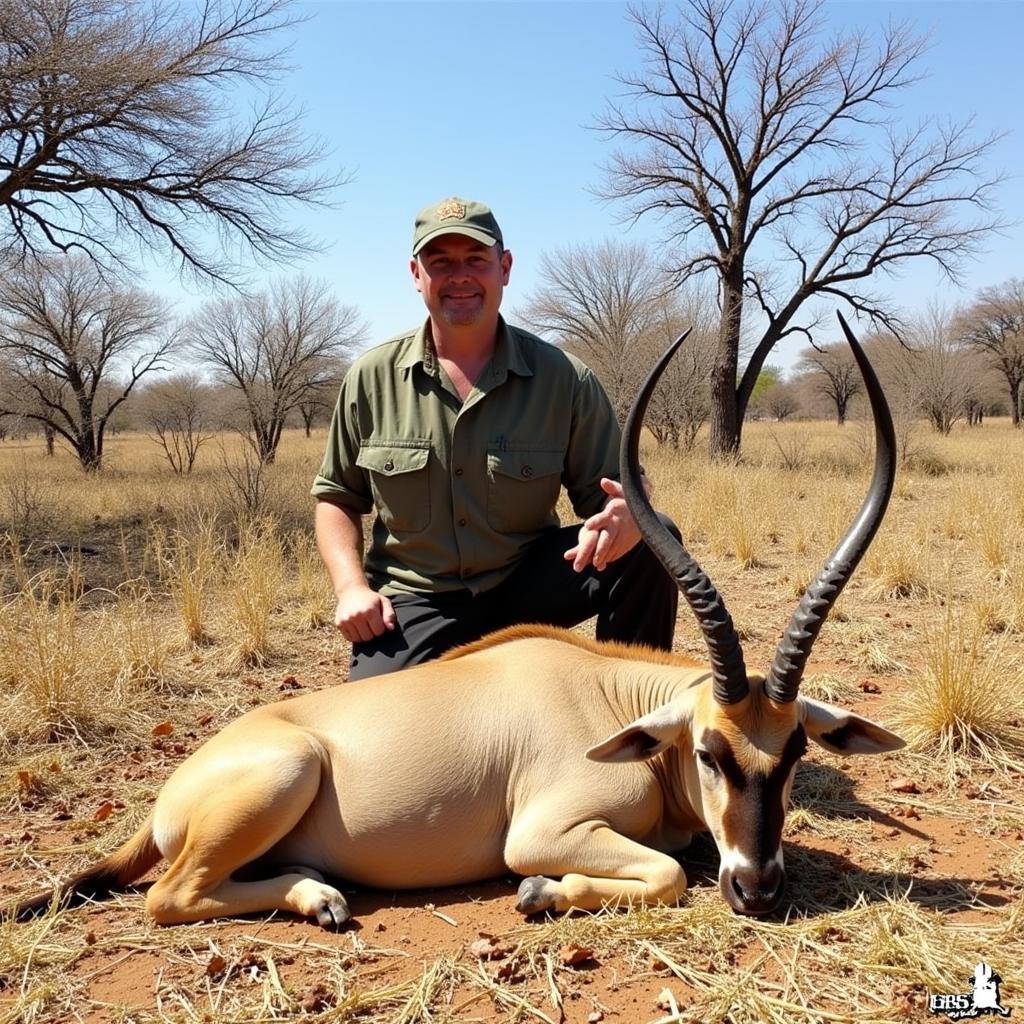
<point x="216" y="966"/>
<point x="572" y="954"/>
<point x="163" y="729"/>
<point x="28" y="783"/>
<point x="104" y="811"/>
<point x="869" y="687"/>
<point x="290" y="683"/>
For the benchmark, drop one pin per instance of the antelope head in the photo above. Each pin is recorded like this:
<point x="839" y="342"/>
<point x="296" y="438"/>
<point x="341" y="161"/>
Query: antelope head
<point x="739" y="736"/>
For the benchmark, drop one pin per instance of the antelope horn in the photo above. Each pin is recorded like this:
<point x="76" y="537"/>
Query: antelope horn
<point x="726" y="655"/>
<point x="794" y="648"/>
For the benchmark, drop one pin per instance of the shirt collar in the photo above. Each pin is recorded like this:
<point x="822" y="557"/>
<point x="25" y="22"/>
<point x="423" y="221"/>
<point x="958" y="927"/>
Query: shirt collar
<point x="508" y="357"/>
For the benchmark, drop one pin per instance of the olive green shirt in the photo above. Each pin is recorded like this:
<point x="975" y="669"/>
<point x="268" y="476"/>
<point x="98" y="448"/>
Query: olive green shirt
<point x="461" y="489"/>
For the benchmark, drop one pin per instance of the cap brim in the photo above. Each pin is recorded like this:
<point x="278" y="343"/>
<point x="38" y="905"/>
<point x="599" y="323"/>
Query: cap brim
<point x="474" y="233"/>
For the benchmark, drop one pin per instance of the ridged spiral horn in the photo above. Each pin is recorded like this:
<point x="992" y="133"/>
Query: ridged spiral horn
<point x="783" y="681"/>
<point x="726" y="655"/>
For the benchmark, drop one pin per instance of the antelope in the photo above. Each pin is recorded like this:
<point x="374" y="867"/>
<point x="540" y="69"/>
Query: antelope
<point x="576" y="764"/>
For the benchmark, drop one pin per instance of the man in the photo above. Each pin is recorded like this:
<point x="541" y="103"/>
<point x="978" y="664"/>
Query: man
<point x="460" y="435"/>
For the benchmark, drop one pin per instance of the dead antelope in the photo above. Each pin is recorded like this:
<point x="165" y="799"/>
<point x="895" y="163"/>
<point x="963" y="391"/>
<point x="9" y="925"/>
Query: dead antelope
<point x="492" y="760"/>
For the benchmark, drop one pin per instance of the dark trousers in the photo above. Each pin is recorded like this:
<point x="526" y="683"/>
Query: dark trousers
<point x="634" y="599"/>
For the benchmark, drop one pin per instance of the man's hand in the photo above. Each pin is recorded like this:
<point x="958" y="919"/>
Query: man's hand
<point x="362" y="613"/>
<point x="608" y="535"/>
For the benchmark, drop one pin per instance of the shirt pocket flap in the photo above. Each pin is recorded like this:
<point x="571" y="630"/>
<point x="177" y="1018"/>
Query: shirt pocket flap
<point x="391" y="460"/>
<point x="525" y="465"/>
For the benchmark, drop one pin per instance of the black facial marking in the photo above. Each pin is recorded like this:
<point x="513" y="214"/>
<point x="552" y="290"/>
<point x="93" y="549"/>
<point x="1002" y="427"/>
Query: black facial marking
<point x="756" y="810"/>
<point x="717" y="746"/>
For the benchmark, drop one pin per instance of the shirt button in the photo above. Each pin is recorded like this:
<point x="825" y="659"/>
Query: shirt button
<point x="462" y="522"/>
<point x="458" y="472"/>
<point x="388" y="466"/>
<point x="527" y="471"/>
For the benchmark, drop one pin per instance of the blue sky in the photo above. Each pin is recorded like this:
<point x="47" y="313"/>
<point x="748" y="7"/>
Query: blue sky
<point x="491" y="100"/>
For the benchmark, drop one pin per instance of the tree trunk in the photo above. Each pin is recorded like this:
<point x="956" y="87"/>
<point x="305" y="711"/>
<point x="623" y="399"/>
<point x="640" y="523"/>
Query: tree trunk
<point x="725" y="424"/>
<point x="51" y="436"/>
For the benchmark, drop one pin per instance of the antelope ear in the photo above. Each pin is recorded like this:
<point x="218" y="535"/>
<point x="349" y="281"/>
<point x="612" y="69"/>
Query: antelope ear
<point x="648" y="736"/>
<point x="843" y="732"/>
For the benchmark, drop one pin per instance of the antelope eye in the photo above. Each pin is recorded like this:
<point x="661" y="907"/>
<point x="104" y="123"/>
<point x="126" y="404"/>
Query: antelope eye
<point x="707" y="760"/>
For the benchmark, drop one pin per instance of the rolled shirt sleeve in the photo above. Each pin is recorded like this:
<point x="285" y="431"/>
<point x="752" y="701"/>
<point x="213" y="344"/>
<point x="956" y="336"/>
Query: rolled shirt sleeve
<point x="341" y="480"/>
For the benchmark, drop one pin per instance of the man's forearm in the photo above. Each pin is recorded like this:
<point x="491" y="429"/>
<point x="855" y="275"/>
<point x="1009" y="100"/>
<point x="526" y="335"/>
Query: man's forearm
<point x="339" y="536"/>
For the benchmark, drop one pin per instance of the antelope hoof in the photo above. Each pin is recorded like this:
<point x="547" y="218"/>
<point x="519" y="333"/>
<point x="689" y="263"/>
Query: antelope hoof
<point x="332" y="912"/>
<point x="324" y="902"/>
<point x="535" y="895"/>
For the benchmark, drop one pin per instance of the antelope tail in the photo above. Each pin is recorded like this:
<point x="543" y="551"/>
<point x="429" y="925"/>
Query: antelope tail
<point x="115" y="872"/>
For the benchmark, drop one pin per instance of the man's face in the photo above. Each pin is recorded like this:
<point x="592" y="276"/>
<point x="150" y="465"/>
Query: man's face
<point x="461" y="280"/>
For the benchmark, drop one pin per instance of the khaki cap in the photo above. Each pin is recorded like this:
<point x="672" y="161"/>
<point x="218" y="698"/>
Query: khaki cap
<point x="455" y="216"/>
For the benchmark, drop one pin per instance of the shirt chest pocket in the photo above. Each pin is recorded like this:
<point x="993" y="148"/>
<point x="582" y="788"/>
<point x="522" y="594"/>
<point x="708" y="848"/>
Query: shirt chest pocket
<point x="399" y="481"/>
<point x="522" y="489"/>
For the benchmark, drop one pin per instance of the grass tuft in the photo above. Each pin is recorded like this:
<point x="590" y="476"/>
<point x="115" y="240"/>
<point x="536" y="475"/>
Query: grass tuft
<point x="966" y="704"/>
<point x="255" y="581"/>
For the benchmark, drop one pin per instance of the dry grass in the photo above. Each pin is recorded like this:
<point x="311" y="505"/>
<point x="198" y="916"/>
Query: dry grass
<point x="314" y="594"/>
<point x="254" y="581"/>
<point x="189" y="563"/>
<point x="132" y="598"/>
<point x="896" y="568"/>
<point x="55" y="683"/>
<point x="966" y="703"/>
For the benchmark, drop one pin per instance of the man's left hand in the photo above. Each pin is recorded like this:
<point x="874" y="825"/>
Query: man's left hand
<point x="606" y="536"/>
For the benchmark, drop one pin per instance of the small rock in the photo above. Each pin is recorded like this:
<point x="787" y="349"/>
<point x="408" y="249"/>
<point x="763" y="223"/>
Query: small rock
<point x="489" y="948"/>
<point x="665" y="1000"/>
<point x="316" y="998"/>
<point x="904" y="786"/>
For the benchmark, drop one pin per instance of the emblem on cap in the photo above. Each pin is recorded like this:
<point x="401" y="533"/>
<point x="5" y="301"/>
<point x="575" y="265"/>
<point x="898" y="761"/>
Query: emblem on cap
<point x="451" y="209"/>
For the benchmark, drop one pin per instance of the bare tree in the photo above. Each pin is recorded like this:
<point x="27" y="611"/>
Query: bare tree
<point x="76" y="347"/>
<point x="274" y="348"/>
<point x="832" y="372"/>
<point x="941" y="368"/>
<point x="681" y="402"/>
<point x="178" y="414"/>
<point x="598" y="302"/>
<point x="994" y="326"/>
<point x="114" y="135"/>
<point x="319" y="398"/>
<point x="610" y="305"/>
<point x="748" y="136"/>
<point x="781" y="400"/>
